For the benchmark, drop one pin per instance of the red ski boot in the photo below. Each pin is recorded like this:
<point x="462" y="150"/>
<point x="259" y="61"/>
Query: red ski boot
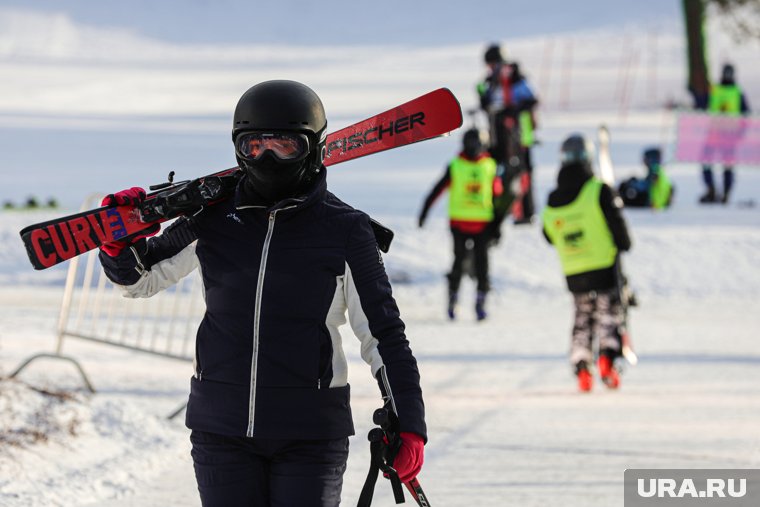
<point x="609" y="374"/>
<point x="585" y="380"/>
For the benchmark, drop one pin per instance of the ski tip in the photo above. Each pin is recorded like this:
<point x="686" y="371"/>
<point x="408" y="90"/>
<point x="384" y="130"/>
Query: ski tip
<point x="630" y="355"/>
<point x="443" y="91"/>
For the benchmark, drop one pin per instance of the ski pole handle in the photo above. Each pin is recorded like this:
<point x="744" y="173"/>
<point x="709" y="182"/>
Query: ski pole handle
<point x="378" y="449"/>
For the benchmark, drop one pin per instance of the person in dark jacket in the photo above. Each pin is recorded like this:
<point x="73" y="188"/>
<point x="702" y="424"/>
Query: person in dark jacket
<point x="509" y="103"/>
<point x="495" y="96"/>
<point x="472" y="183"/>
<point x="282" y="261"/>
<point x="525" y="102"/>
<point x="583" y="219"/>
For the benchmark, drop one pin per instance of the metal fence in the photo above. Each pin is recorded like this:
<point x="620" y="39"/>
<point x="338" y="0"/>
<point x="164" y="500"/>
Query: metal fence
<point x="94" y="309"/>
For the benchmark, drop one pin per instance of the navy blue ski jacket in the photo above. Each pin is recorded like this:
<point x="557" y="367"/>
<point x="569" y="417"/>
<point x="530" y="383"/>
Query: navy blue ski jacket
<point x="278" y="282"/>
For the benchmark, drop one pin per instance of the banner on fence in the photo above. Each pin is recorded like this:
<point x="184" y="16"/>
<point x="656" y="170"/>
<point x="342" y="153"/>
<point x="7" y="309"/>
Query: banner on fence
<point x="718" y="139"/>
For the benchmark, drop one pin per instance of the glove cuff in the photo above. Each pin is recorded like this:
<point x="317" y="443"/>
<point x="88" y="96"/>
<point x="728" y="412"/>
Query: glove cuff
<point x="127" y="267"/>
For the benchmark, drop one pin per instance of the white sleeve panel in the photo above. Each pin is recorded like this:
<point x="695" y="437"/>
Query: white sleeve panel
<point x="163" y="274"/>
<point x="336" y="317"/>
<point x="360" y="324"/>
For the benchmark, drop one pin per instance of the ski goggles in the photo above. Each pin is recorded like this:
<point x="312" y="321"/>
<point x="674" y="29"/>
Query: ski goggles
<point x="286" y="146"/>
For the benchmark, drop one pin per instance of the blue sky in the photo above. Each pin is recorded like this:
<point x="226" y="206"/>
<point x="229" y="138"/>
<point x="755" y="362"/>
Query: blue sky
<point x="101" y="95"/>
<point x="358" y="22"/>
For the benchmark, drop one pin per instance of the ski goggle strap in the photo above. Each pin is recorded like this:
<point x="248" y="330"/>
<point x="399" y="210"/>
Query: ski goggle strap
<point x="286" y="146"/>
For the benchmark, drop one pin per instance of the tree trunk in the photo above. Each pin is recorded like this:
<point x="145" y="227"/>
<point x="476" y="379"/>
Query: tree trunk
<point x="699" y="83"/>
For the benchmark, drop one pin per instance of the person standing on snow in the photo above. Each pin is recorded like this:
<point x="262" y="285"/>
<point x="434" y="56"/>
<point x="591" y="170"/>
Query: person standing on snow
<point x="282" y="262"/>
<point x="495" y="93"/>
<point x="583" y="220"/>
<point x="725" y="98"/>
<point x="508" y="101"/>
<point x="525" y="102"/>
<point x="472" y="183"/>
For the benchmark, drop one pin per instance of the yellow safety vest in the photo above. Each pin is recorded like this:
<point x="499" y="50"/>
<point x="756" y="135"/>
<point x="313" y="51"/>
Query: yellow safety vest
<point x="471" y="189"/>
<point x="580" y="232"/>
<point x="659" y="192"/>
<point x="725" y="99"/>
<point x="527" y="137"/>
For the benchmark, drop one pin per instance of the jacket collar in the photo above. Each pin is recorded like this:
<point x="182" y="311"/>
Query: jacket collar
<point x="247" y="199"/>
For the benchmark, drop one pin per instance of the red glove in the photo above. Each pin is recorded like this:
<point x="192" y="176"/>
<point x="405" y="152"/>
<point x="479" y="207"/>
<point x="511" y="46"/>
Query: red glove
<point x="408" y="461"/>
<point x="129" y="197"/>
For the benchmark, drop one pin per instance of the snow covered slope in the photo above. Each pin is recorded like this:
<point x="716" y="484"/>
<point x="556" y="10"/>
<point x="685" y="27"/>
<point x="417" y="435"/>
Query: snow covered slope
<point x="506" y="423"/>
<point x="505" y="419"/>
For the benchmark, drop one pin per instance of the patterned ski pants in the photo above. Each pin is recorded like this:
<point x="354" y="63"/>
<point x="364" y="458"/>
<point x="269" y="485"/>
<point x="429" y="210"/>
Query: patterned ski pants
<point x="597" y="314"/>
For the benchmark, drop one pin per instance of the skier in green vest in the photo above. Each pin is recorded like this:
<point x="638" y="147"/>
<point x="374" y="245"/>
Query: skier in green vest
<point x="472" y="183"/>
<point x="725" y="98"/>
<point x="583" y="220"/>
<point x="654" y="191"/>
<point x="660" y="184"/>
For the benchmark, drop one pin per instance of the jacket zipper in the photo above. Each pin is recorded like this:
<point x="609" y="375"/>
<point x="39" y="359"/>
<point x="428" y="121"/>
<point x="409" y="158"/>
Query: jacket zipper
<point x="257" y="319"/>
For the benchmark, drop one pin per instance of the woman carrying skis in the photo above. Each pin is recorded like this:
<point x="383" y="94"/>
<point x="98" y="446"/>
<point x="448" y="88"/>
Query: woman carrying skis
<point x="282" y="262"/>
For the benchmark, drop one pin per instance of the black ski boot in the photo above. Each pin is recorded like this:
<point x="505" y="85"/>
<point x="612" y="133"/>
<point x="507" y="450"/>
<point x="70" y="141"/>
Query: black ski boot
<point x="480" y="303"/>
<point x="709" y="197"/>
<point x="451" y="311"/>
<point x="728" y="183"/>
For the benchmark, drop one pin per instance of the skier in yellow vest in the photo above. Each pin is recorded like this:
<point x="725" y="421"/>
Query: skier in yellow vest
<point x="583" y="220"/>
<point x="655" y="191"/>
<point x="472" y="183"/>
<point x="661" y="187"/>
<point x="725" y="98"/>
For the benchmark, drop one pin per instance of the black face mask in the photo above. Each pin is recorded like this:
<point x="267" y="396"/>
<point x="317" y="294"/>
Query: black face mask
<point x="274" y="179"/>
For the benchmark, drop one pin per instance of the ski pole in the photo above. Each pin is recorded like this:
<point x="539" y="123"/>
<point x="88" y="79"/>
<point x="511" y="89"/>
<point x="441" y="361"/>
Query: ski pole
<point x="388" y="434"/>
<point x="416" y="491"/>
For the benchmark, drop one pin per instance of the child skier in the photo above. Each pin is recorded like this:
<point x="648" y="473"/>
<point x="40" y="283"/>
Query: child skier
<point x="583" y="220"/>
<point x="655" y="190"/>
<point x="472" y="183"/>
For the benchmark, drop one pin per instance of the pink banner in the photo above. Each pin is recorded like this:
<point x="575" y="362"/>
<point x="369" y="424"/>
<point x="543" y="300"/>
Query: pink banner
<point x="708" y="139"/>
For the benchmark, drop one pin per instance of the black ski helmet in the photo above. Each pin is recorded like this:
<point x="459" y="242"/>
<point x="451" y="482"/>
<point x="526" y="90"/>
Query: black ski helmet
<point x="472" y="144"/>
<point x="493" y="54"/>
<point x="727" y="74"/>
<point x="281" y="106"/>
<point x="576" y="149"/>
<point x="652" y="156"/>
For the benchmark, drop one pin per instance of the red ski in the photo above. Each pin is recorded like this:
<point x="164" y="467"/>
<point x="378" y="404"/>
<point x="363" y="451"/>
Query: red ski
<point x="49" y="243"/>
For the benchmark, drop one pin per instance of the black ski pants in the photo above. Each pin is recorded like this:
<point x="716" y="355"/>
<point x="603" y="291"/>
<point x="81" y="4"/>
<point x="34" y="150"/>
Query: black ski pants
<point x="253" y="472"/>
<point x="600" y="315"/>
<point x="505" y="137"/>
<point x="479" y="245"/>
